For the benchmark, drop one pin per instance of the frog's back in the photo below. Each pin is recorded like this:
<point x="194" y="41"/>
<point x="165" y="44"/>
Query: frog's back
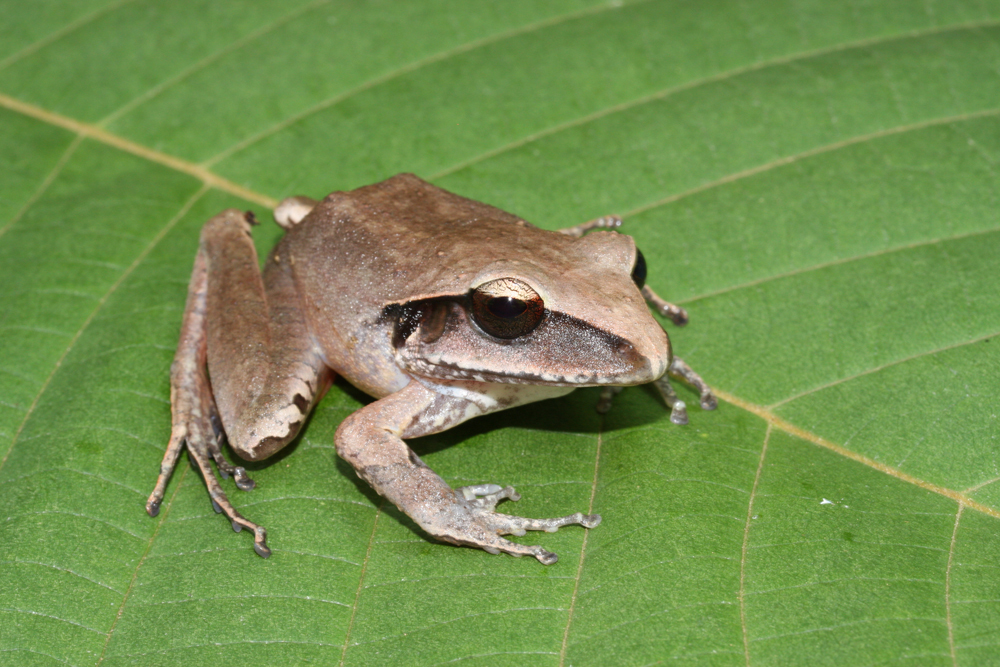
<point x="389" y="243"/>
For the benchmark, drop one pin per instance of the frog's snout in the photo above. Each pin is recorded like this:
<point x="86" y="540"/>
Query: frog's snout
<point x="644" y="359"/>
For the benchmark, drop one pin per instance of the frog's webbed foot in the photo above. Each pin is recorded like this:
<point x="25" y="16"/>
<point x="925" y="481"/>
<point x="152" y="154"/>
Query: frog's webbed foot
<point x="479" y="525"/>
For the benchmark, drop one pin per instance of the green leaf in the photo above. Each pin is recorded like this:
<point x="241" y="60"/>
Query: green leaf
<point x="816" y="182"/>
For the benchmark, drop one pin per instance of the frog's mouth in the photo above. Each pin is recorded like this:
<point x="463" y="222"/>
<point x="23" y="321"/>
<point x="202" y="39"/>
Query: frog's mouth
<point x="444" y="371"/>
<point x="439" y="341"/>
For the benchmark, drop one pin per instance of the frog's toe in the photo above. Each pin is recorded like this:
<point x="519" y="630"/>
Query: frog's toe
<point x="243" y="482"/>
<point x="474" y="491"/>
<point x="607" y="398"/>
<point x="203" y="448"/>
<point x="517" y="525"/>
<point x="544" y="557"/>
<point x="486" y="496"/>
<point x="678" y="413"/>
<point x="482" y="525"/>
<point x="507" y="524"/>
<point x="517" y="550"/>
<point x="227" y="469"/>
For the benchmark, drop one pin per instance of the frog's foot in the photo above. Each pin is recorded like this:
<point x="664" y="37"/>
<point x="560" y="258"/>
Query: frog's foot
<point x="606" y="222"/>
<point x="239" y="473"/>
<point x="678" y="409"/>
<point x="672" y="312"/>
<point x="607" y="398"/>
<point x="203" y="449"/>
<point x="221" y="504"/>
<point x="476" y="523"/>
<point x="680" y="370"/>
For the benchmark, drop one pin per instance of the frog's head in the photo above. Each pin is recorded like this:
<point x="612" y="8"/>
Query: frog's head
<point x="555" y="311"/>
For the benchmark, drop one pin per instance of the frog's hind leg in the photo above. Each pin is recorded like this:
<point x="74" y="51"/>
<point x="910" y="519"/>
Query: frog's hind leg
<point x="195" y="416"/>
<point x="245" y="368"/>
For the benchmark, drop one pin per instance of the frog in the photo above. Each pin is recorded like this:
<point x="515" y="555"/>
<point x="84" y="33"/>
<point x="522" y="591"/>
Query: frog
<point x="441" y="308"/>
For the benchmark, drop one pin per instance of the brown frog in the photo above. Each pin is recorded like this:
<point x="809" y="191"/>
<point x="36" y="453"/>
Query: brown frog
<point x="440" y="307"/>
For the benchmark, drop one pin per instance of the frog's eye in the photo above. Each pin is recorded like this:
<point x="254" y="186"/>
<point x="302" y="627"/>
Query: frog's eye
<point x="507" y="308"/>
<point x="639" y="270"/>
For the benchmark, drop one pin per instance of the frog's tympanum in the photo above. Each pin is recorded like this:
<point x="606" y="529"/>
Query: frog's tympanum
<point x="440" y="307"/>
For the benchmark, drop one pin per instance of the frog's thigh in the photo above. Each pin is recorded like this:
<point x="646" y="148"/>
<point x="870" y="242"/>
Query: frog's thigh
<point x="266" y="374"/>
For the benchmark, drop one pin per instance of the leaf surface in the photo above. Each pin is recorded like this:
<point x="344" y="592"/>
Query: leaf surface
<point x="817" y="183"/>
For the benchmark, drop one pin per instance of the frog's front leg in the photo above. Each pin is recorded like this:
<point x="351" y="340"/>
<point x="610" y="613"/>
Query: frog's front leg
<point x="371" y="440"/>
<point x="245" y="367"/>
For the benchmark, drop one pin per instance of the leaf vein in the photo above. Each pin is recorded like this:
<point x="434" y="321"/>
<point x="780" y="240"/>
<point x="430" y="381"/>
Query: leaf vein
<point x="55" y="36"/>
<point x="696" y="83"/>
<point x="947" y="587"/>
<point x="28" y="650"/>
<point x="100" y="304"/>
<point x="406" y="69"/>
<point x="79" y="515"/>
<point x="831" y="628"/>
<point x="90" y="131"/>
<point x="361" y="582"/>
<point x="248" y="596"/>
<point x="583" y="547"/>
<point x="46" y="182"/>
<point x="825" y="582"/>
<point x="741" y="593"/>
<point x="31" y="612"/>
<point x="72" y="470"/>
<point x="808" y="436"/>
<point x="208" y="60"/>
<point x="882" y="367"/>
<point x="456" y="620"/>
<point x="62" y="569"/>
<point x="142" y="559"/>
<point x="845" y="260"/>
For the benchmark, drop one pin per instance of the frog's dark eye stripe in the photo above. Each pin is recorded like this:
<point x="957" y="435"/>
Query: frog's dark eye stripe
<point x="507" y="308"/>
<point x="639" y="270"/>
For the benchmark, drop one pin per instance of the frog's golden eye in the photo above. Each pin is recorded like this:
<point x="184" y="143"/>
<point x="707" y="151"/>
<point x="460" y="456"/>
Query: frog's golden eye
<point x="639" y="270"/>
<point x="507" y="308"/>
